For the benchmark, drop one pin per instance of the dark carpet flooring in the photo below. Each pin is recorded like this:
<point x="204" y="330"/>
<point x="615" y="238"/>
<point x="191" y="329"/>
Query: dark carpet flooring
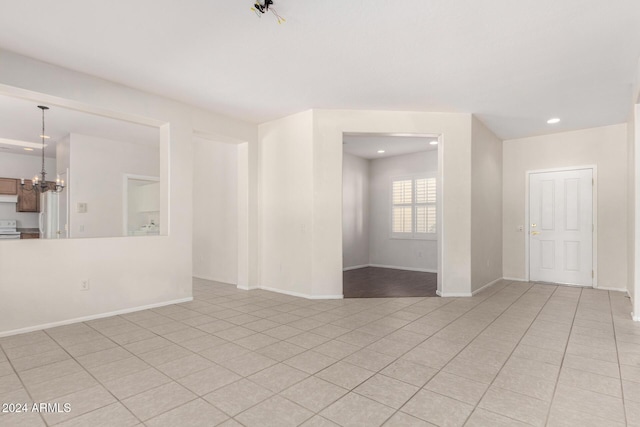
<point x="374" y="282"/>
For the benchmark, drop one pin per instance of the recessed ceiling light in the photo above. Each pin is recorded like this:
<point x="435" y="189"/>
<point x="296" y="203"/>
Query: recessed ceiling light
<point x="380" y="151"/>
<point x="434" y="142"/>
<point x="553" y="121"/>
<point x="45" y="136"/>
<point x="28" y="149"/>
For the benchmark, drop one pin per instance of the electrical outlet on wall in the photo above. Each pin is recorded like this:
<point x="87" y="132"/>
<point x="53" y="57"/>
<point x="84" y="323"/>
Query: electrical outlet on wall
<point x="84" y="285"/>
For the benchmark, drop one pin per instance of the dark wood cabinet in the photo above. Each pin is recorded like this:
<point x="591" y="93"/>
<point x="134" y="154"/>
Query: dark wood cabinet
<point x="9" y="186"/>
<point x="29" y="199"/>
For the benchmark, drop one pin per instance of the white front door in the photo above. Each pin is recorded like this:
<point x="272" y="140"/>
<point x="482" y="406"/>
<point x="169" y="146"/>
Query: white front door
<point x="561" y="227"/>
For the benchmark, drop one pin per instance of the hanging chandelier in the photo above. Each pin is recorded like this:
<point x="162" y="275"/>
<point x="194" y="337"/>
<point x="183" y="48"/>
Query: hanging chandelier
<point x="41" y="184"/>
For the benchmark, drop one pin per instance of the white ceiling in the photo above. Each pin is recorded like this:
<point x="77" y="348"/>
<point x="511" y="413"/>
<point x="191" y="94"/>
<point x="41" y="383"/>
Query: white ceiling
<point x="22" y="120"/>
<point x="367" y="145"/>
<point x="514" y="63"/>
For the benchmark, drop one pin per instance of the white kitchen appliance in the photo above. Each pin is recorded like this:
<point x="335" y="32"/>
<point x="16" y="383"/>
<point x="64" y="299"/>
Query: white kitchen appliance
<point x="48" y="223"/>
<point x="8" y="229"/>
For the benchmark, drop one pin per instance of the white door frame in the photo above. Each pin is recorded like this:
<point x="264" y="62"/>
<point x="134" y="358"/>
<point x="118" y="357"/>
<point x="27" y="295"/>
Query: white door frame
<point x="125" y="196"/>
<point x="527" y="223"/>
<point x="440" y="184"/>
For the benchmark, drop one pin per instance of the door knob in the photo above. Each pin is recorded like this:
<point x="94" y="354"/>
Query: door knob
<point x="534" y="225"/>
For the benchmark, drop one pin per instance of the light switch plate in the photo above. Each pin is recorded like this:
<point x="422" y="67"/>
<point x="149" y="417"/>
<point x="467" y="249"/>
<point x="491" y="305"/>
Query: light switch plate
<point x="81" y="208"/>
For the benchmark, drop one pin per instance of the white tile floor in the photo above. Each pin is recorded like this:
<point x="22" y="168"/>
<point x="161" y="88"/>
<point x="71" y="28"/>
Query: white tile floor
<point x="517" y="354"/>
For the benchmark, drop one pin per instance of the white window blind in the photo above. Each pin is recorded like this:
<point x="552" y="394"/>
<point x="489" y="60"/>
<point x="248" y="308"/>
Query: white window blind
<point x="402" y="218"/>
<point x="413" y="210"/>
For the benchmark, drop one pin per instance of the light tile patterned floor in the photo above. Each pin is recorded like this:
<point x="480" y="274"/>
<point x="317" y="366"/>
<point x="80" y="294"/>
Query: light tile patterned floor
<point x="516" y="354"/>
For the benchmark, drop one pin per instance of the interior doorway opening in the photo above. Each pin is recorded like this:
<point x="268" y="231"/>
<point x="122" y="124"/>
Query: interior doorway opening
<point x="390" y="230"/>
<point x="220" y="210"/>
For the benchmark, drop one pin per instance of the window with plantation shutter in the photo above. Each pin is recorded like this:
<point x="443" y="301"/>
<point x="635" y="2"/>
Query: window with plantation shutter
<point x="413" y="207"/>
<point x="402" y="219"/>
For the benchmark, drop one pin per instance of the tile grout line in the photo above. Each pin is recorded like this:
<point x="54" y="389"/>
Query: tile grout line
<point x="360" y="310"/>
<point x="92" y="376"/>
<point x="133" y="355"/>
<point x="172" y="380"/>
<point x="345" y="311"/>
<point x="459" y="318"/>
<point x="613" y="324"/>
<point x="339" y="360"/>
<point x="178" y="344"/>
<point x="23" y="384"/>
<point x="397" y="358"/>
<point x="564" y="355"/>
<point x="595" y="359"/>
<point x="440" y="370"/>
<point x="509" y="356"/>
<point x="162" y="373"/>
<point x="44" y="331"/>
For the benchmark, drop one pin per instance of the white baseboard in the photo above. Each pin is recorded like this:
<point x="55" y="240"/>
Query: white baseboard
<point x="467" y="294"/>
<point x="247" y="288"/>
<point x="92" y="317"/>
<point x="300" y="295"/>
<point x="454" y="294"/>
<point x="515" y="279"/>
<point x="355" y="267"/>
<point x="325" y="297"/>
<point x="213" y="279"/>
<point x="633" y="316"/>
<point x="487" y="286"/>
<point x="395" y="267"/>
<point x="603" y="288"/>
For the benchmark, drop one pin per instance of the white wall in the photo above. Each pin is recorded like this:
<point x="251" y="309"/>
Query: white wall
<point x="63" y="154"/>
<point x="215" y="211"/>
<point x="631" y="204"/>
<point x="125" y="272"/>
<point x="287" y="210"/>
<point x="23" y="166"/>
<point x="301" y="196"/>
<point x="355" y="211"/>
<point x="245" y="217"/>
<point x="97" y="169"/>
<point x="634" y="282"/>
<point x="385" y="251"/>
<point x="63" y="161"/>
<point x="605" y="147"/>
<point x="454" y="158"/>
<point x="486" y="206"/>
